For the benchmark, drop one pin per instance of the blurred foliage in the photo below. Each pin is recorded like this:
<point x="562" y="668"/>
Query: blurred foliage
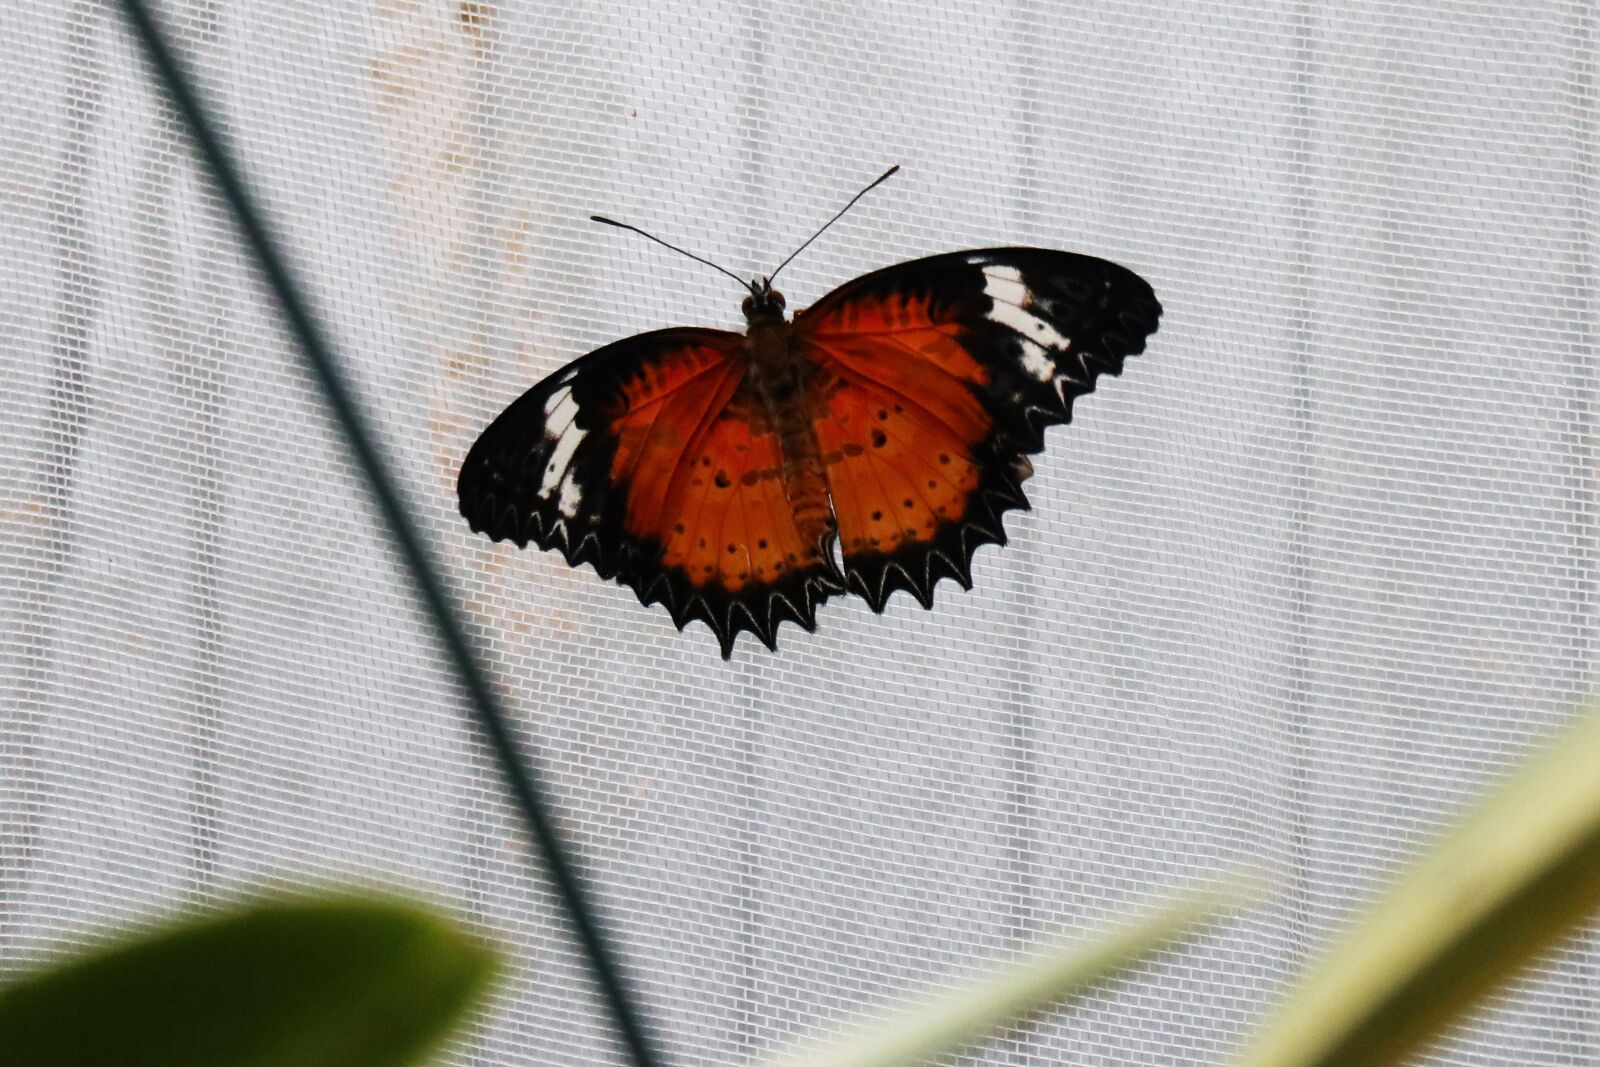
<point x="1501" y="886"/>
<point x="342" y="982"/>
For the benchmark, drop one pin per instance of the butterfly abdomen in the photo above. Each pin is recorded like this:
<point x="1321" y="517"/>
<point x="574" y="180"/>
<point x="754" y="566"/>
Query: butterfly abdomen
<point x="777" y="377"/>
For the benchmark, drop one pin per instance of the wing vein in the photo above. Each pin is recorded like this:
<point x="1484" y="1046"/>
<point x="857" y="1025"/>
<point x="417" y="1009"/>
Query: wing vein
<point x="849" y="370"/>
<point x="708" y="418"/>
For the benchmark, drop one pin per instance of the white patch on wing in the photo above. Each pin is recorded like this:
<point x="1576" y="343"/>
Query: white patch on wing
<point x="1009" y="295"/>
<point x="560" y="409"/>
<point x="571" y="497"/>
<point x="1036" y="361"/>
<point x="561" y="426"/>
<point x="1004" y="285"/>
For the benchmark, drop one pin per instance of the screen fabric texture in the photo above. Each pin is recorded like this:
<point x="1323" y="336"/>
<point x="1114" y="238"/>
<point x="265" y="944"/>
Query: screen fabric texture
<point x="1295" y="587"/>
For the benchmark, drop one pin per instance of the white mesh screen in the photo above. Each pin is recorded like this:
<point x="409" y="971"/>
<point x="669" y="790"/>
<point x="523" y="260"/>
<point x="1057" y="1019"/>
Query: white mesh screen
<point x="1322" y="559"/>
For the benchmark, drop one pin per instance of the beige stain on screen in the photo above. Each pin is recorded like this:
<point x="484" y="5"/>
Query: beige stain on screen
<point x="432" y="69"/>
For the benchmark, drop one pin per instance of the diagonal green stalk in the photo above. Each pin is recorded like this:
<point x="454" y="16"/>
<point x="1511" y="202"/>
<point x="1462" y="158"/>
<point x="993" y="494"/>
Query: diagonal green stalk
<point x="425" y="576"/>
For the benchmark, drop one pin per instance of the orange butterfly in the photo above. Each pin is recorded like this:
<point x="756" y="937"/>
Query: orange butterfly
<point x="717" y="473"/>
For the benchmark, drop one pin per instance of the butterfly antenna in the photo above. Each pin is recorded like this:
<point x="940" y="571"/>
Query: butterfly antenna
<point x="698" y="259"/>
<point x="880" y="180"/>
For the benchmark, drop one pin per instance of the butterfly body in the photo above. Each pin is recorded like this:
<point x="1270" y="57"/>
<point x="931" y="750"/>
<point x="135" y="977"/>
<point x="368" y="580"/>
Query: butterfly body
<point x="777" y="379"/>
<point x="867" y="446"/>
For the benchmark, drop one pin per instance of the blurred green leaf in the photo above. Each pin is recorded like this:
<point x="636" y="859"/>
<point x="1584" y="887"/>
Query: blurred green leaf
<point x="1499" y="888"/>
<point x="949" y="1019"/>
<point x="324" y="983"/>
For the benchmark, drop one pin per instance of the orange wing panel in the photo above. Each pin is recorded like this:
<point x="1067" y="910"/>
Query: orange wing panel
<point x="934" y="381"/>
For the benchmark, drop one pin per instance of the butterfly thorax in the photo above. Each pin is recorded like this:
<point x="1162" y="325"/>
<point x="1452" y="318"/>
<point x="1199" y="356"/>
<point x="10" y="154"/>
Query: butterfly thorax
<point x="777" y="379"/>
<point x="764" y="305"/>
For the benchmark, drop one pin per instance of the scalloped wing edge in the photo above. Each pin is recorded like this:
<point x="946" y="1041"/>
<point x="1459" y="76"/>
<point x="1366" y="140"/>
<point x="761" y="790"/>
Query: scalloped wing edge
<point x="727" y="615"/>
<point x="794" y="600"/>
<point x="919" y="570"/>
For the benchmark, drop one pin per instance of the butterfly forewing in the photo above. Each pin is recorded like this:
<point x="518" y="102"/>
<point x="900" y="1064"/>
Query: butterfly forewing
<point x="934" y="382"/>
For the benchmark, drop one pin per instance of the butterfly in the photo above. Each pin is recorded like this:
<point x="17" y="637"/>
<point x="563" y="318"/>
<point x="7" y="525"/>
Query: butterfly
<point x="868" y="445"/>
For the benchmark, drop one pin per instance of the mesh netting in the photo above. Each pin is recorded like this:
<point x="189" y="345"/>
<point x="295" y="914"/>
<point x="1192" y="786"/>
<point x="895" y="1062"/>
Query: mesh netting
<point x="1319" y="562"/>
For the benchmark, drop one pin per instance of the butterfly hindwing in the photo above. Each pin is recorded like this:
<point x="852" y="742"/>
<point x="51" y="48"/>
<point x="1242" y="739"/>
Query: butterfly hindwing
<point x="648" y="460"/>
<point x="932" y="383"/>
<point x="736" y="556"/>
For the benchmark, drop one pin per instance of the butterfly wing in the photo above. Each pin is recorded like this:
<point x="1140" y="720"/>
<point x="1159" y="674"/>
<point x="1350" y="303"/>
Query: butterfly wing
<point x="933" y="381"/>
<point x="648" y="460"/>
